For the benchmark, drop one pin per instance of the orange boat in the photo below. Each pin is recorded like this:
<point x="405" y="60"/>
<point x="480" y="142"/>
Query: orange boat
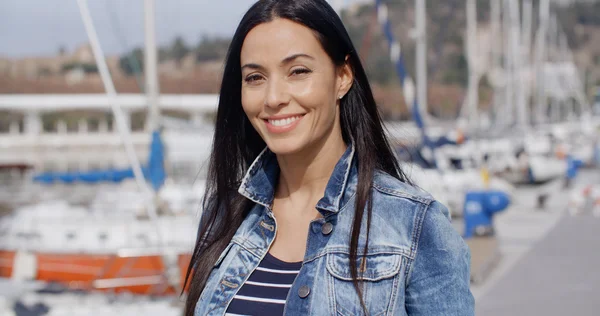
<point x="100" y="248"/>
<point x="146" y="275"/>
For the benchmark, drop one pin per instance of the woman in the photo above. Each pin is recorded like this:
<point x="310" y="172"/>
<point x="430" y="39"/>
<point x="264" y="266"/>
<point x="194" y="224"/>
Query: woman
<point x="307" y="211"/>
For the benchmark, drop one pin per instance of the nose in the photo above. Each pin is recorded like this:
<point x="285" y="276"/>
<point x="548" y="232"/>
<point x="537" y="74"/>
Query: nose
<point x="277" y="93"/>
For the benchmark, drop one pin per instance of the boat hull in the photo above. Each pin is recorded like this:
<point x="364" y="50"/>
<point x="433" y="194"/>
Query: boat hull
<point x="140" y="274"/>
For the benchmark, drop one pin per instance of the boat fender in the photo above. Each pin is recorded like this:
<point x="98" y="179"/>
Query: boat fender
<point x="479" y="208"/>
<point x="24" y="266"/>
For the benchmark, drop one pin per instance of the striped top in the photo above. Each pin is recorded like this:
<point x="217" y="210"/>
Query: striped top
<point x="266" y="289"/>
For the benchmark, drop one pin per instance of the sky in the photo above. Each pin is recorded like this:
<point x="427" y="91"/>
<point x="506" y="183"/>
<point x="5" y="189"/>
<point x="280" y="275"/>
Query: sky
<point x="40" y="27"/>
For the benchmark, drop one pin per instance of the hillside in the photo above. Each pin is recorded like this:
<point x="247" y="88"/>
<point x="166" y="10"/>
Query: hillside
<point x="196" y="68"/>
<point x="447" y="65"/>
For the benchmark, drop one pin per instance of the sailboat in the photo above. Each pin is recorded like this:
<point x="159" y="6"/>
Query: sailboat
<point x="430" y="165"/>
<point x="121" y="242"/>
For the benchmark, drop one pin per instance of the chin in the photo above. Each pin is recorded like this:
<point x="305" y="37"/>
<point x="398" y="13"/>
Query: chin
<point x="285" y="146"/>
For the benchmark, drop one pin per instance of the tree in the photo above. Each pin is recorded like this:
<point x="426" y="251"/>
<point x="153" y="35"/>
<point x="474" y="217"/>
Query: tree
<point x="212" y="49"/>
<point x="62" y="50"/>
<point x="458" y="71"/>
<point x="179" y="50"/>
<point x="87" y="68"/>
<point x="132" y="62"/>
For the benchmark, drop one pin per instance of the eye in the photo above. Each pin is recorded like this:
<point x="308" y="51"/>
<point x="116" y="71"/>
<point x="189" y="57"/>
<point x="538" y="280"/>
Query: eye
<point x="253" y="78"/>
<point x="300" y="71"/>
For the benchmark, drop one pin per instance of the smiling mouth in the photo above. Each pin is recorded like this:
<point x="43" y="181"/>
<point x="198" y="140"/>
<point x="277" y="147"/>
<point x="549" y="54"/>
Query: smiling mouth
<point x="284" y="124"/>
<point x="285" y="121"/>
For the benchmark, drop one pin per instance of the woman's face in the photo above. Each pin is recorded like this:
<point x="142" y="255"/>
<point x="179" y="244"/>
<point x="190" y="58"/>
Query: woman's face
<point x="290" y="87"/>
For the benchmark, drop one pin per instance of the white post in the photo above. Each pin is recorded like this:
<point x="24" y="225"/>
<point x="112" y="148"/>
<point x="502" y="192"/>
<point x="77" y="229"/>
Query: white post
<point x="150" y="66"/>
<point x="197" y="118"/>
<point x="540" y="59"/>
<point x="14" y="129"/>
<point x="82" y="126"/>
<point x="421" y="58"/>
<point x="127" y="119"/>
<point x="33" y="123"/>
<point x="103" y="126"/>
<point x="472" y="56"/>
<point x="61" y="127"/>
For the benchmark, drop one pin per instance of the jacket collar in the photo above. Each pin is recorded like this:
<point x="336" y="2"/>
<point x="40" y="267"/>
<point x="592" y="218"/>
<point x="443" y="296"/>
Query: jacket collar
<point x="261" y="179"/>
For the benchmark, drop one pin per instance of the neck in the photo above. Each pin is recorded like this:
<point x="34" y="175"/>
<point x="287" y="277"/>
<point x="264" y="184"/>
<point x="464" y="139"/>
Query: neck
<point x="305" y="174"/>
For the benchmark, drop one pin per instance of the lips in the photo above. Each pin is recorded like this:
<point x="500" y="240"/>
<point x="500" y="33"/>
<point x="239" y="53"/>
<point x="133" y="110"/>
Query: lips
<point x="282" y="124"/>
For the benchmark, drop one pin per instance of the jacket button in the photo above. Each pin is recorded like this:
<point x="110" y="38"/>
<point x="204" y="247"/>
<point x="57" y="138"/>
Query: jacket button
<point x="327" y="228"/>
<point x="303" y="291"/>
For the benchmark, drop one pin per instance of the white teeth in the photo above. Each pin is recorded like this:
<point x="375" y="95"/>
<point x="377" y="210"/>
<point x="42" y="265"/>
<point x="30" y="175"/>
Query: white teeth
<point x="284" y="122"/>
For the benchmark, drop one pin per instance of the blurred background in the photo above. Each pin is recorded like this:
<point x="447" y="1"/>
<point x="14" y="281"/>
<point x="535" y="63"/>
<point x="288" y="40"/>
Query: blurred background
<point x="106" y="119"/>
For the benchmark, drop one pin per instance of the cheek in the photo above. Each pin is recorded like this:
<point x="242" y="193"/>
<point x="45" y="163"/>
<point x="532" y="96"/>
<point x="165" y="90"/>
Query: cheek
<point x="317" y="95"/>
<point x="251" y="103"/>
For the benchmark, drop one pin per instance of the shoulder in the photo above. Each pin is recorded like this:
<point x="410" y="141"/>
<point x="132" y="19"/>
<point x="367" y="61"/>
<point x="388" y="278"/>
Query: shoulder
<point x="387" y="184"/>
<point x="408" y="197"/>
<point x="401" y="211"/>
<point x="390" y="190"/>
<point x="408" y="208"/>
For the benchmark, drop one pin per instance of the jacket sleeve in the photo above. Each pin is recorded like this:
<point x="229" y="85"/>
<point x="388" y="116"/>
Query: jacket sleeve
<point x="438" y="282"/>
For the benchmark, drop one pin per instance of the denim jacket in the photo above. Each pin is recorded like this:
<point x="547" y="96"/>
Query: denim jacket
<point x="416" y="263"/>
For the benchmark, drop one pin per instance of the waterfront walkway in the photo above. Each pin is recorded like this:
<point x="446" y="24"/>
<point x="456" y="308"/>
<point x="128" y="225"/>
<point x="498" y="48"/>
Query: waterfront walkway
<point x="550" y="264"/>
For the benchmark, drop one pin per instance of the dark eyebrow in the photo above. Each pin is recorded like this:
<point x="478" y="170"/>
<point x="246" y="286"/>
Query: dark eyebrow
<point x="283" y="62"/>
<point x="253" y="66"/>
<point x="293" y="57"/>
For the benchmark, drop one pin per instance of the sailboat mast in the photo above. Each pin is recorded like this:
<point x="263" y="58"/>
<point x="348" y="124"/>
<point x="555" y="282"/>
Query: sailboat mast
<point x="111" y="92"/>
<point x="472" y="89"/>
<point x="496" y="54"/>
<point x="540" y="58"/>
<point x="150" y="65"/>
<point x="526" y="60"/>
<point x="421" y="58"/>
<point x="516" y="64"/>
<point x="508" y="117"/>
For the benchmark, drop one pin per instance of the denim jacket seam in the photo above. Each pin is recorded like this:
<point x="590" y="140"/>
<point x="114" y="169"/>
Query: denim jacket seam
<point x="261" y="200"/>
<point x="320" y="254"/>
<point x="394" y="298"/>
<point x="244" y="245"/>
<point x="402" y="194"/>
<point x="225" y="304"/>
<point x="381" y="274"/>
<point x="345" y="206"/>
<point x="377" y="251"/>
<point x="253" y="166"/>
<point x="343" y="187"/>
<point x="416" y="239"/>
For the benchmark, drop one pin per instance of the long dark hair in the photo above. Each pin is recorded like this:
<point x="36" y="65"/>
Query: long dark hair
<point x="236" y="144"/>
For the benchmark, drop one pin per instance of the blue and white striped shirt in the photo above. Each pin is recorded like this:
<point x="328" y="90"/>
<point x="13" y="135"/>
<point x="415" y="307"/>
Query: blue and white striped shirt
<point x="266" y="290"/>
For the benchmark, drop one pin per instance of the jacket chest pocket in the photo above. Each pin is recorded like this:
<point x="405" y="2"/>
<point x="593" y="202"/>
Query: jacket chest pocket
<point x="380" y="277"/>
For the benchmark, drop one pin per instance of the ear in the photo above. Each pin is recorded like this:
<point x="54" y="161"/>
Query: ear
<point x="345" y="78"/>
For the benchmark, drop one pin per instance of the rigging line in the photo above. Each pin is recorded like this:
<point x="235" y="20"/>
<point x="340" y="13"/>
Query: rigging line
<point x="115" y="26"/>
<point x="177" y="12"/>
<point x="408" y="85"/>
